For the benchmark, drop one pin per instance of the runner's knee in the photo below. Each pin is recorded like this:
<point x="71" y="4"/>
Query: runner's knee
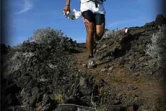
<point x="99" y="33"/>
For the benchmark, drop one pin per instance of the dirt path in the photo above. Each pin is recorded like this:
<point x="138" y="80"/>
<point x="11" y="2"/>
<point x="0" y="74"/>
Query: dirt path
<point x="123" y="81"/>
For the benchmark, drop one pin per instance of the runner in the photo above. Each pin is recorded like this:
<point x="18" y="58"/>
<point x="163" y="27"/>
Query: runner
<point x="93" y="14"/>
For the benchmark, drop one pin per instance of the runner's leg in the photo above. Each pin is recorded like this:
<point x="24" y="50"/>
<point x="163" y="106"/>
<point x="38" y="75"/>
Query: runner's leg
<point x="88" y="17"/>
<point x="100" y="25"/>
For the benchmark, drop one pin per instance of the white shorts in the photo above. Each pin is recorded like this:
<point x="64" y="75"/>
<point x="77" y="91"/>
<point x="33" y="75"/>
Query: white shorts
<point x="89" y="5"/>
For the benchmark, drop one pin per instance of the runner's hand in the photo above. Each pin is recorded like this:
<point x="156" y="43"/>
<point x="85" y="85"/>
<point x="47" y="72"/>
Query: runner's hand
<point x="66" y="9"/>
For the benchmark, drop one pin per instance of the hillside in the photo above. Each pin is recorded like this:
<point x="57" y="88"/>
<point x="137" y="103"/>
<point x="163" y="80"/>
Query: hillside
<point x="52" y="76"/>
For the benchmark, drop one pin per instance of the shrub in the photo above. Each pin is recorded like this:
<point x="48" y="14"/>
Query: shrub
<point x="157" y="48"/>
<point x="46" y="35"/>
<point x="53" y="38"/>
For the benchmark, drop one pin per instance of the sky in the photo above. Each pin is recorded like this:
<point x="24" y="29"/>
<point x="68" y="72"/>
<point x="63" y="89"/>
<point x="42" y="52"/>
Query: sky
<point x="24" y="17"/>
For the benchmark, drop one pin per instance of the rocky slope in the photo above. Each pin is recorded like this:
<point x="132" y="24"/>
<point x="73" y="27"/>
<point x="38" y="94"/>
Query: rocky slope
<point x="54" y="77"/>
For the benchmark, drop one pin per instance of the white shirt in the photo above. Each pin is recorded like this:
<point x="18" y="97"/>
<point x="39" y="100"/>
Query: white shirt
<point x="90" y="5"/>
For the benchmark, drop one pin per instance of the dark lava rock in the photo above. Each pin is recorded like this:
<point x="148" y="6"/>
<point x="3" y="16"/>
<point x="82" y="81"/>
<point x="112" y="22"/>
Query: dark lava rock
<point x="160" y="20"/>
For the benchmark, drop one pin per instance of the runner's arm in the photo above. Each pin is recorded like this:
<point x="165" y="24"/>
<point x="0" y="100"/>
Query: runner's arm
<point x="67" y="7"/>
<point x="67" y="2"/>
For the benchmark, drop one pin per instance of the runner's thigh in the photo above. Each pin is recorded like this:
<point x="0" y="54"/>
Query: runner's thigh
<point x="100" y="24"/>
<point x="88" y="16"/>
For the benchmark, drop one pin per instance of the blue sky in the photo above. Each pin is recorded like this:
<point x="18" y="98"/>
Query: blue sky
<point x="24" y="17"/>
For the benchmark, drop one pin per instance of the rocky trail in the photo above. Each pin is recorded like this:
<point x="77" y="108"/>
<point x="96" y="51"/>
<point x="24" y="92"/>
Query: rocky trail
<point x="123" y="81"/>
<point x="53" y="76"/>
